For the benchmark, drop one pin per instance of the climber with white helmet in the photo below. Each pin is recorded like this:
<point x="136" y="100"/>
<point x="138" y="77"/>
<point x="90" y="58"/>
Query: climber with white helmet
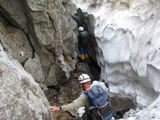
<point x="85" y="82"/>
<point x="83" y="43"/>
<point x="81" y="29"/>
<point x="94" y="99"/>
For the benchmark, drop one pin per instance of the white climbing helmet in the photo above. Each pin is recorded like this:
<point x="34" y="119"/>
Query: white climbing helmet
<point x="81" y="29"/>
<point x="83" y="78"/>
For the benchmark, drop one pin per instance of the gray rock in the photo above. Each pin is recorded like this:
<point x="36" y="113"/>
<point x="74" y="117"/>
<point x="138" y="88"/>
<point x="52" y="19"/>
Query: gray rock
<point x="83" y="68"/>
<point x="70" y="6"/>
<point x="121" y="102"/>
<point x="15" y="42"/>
<point x="13" y="12"/>
<point x="21" y="96"/>
<point x="47" y="29"/>
<point x="51" y="77"/>
<point x="33" y="66"/>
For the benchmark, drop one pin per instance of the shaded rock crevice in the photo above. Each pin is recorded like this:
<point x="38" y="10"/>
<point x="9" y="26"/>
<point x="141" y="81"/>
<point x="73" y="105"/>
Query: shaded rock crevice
<point x="13" y="23"/>
<point x="46" y="52"/>
<point x="32" y="35"/>
<point x="13" y="13"/>
<point x="4" y="14"/>
<point x="87" y="21"/>
<point x="30" y="42"/>
<point x="52" y="21"/>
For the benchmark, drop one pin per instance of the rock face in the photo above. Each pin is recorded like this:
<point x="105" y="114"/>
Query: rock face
<point x="21" y="96"/>
<point x="121" y="102"/>
<point x="15" y="42"/>
<point x="42" y="36"/>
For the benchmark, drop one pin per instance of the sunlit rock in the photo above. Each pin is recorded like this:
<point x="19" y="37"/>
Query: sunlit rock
<point x="21" y="96"/>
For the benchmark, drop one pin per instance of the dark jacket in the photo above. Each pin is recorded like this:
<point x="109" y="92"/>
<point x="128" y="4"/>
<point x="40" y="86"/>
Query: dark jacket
<point x="83" y="38"/>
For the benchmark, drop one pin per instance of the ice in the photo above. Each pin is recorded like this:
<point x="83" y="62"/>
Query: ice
<point x="128" y="36"/>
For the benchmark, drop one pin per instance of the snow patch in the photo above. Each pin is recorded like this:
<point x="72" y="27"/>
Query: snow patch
<point x="128" y="37"/>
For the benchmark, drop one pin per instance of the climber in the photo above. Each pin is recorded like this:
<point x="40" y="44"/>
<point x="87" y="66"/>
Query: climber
<point x="83" y="43"/>
<point x="94" y="99"/>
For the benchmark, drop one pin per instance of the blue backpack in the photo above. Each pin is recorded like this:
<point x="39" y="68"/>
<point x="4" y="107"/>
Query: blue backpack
<point x="100" y="106"/>
<point x="84" y="37"/>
